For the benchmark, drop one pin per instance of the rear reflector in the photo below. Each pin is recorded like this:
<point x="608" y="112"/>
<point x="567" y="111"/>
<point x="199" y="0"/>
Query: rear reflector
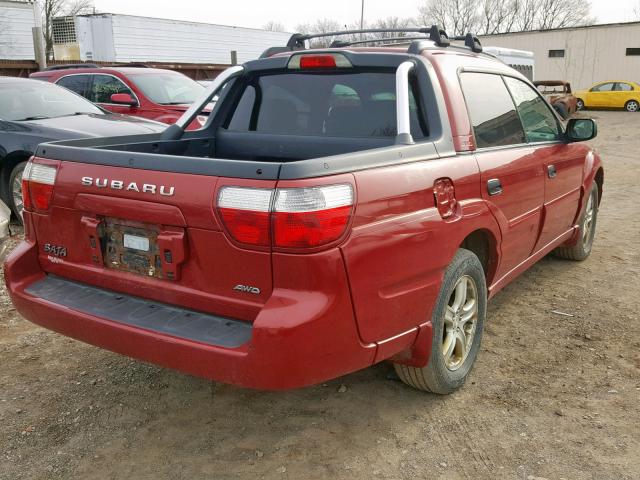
<point x="296" y="218"/>
<point x="38" y="181"/>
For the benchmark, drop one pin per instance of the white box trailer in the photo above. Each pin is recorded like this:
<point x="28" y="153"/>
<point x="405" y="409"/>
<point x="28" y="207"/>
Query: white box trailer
<point x="16" y="37"/>
<point x="520" y="60"/>
<point x="125" y="38"/>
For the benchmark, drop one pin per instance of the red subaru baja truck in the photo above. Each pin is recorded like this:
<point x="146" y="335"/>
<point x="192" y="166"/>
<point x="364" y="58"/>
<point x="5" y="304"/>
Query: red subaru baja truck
<point x="340" y="207"/>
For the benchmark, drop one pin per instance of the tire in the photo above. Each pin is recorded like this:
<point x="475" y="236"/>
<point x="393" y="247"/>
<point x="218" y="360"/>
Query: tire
<point x="580" y="104"/>
<point x="15" y="181"/>
<point x="443" y="374"/>
<point x="632" y="106"/>
<point x="582" y="248"/>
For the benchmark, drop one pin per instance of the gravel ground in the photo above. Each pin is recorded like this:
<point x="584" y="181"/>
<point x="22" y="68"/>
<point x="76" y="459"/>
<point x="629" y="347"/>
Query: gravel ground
<point x="552" y="395"/>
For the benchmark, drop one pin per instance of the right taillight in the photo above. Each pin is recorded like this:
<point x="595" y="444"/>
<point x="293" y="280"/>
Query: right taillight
<point x="289" y="218"/>
<point x="38" y="180"/>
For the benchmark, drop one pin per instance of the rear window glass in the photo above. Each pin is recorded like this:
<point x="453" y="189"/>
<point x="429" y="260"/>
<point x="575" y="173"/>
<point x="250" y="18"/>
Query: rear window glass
<point x="340" y="105"/>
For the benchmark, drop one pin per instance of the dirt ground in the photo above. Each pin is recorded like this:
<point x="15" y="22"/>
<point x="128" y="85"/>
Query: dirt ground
<point x="553" y="395"/>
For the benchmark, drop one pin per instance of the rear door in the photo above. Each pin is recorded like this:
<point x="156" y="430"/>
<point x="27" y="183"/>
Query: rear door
<point x="562" y="163"/>
<point x="623" y="93"/>
<point x="103" y="86"/>
<point x="512" y="177"/>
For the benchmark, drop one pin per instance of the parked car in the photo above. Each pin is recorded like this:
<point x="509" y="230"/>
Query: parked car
<point x="558" y="94"/>
<point x="5" y="232"/>
<point x="152" y="93"/>
<point x="33" y="112"/>
<point x="341" y="207"/>
<point x="611" y="94"/>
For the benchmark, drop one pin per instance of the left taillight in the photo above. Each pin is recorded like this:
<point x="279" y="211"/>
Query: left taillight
<point x="38" y="180"/>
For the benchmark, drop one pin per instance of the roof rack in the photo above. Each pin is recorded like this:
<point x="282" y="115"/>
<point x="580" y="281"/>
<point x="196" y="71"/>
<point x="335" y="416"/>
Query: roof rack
<point x="134" y="65"/>
<point x="72" y="65"/>
<point x="434" y="34"/>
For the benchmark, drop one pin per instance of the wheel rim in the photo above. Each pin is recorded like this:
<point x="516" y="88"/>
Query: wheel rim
<point x="460" y="320"/>
<point x="16" y="191"/>
<point x="632" y="106"/>
<point x="580" y="105"/>
<point x="587" y="224"/>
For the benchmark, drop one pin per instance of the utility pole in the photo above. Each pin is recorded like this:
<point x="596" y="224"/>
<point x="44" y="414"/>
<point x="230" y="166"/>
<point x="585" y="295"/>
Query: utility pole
<point x="362" y="20"/>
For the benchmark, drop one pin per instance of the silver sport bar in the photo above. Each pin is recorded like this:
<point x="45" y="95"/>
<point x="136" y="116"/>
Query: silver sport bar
<point x="403" y="136"/>
<point x="175" y="131"/>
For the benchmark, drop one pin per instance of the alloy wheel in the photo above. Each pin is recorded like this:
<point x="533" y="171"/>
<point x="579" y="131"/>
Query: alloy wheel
<point x="460" y="322"/>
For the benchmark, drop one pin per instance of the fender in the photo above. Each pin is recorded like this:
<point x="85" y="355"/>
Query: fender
<point x="476" y="215"/>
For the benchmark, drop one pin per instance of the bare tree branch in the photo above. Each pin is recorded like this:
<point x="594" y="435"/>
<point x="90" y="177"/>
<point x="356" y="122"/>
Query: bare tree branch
<point x="324" y="25"/>
<point x="274" y="26"/>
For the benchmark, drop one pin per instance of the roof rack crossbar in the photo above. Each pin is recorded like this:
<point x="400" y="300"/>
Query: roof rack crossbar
<point x="471" y="41"/>
<point x="68" y="66"/>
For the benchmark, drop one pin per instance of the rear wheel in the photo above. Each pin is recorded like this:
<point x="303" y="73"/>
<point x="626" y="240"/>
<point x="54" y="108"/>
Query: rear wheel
<point x="579" y="104"/>
<point x="457" y="322"/>
<point x="582" y="248"/>
<point x="15" y="190"/>
<point x="632" y="106"/>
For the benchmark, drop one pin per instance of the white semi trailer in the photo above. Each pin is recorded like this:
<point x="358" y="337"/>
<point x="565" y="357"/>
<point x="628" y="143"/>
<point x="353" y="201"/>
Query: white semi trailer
<point x="520" y="60"/>
<point x="108" y="37"/>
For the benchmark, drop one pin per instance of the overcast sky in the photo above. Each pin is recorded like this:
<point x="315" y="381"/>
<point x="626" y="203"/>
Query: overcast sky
<point x="255" y="13"/>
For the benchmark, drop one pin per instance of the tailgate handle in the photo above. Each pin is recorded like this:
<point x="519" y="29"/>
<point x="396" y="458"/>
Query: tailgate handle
<point x="172" y="250"/>
<point x="93" y="228"/>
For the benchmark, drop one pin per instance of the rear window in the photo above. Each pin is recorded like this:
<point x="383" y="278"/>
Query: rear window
<point x="351" y="104"/>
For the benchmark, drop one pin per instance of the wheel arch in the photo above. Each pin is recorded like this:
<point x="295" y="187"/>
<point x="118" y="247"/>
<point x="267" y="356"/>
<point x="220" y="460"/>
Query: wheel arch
<point x="484" y="245"/>
<point x="7" y="163"/>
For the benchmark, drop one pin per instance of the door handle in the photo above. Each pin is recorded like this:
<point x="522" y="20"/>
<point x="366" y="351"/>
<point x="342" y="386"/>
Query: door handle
<point x="494" y="187"/>
<point x="551" y="171"/>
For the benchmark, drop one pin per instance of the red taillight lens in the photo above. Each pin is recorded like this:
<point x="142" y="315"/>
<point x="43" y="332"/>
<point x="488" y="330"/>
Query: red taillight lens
<point x="317" y="61"/>
<point x="38" y="181"/>
<point x="245" y="214"/>
<point x="311" y="217"/>
<point x="299" y="217"/>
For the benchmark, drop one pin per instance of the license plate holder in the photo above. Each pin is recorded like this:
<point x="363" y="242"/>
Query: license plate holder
<point x="132" y="248"/>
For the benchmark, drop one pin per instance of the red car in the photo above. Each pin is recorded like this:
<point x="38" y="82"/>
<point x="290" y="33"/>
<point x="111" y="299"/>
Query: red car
<point x="341" y="207"/>
<point x="153" y="93"/>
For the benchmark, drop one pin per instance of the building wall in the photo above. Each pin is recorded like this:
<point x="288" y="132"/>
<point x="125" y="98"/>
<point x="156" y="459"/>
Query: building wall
<point x="124" y="38"/>
<point x="16" y="39"/>
<point x="592" y="54"/>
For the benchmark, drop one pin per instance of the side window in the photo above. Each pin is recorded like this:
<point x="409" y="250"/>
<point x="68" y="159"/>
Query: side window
<point x="493" y="115"/>
<point x="604" y="87"/>
<point x="103" y="86"/>
<point x="75" y="83"/>
<point x="539" y="122"/>
<point x="623" y="87"/>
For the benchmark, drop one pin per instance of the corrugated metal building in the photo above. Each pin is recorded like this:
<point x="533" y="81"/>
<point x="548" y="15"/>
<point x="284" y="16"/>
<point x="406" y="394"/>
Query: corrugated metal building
<point x="126" y="38"/>
<point x="581" y="55"/>
<point x="16" y="21"/>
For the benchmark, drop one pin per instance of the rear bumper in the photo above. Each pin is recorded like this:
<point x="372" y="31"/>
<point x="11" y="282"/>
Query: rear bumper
<point x="299" y="338"/>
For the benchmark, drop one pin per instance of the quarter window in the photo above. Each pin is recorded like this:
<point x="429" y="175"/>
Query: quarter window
<point x="76" y="83"/>
<point x="104" y="86"/>
<point x="493" y="115"/>
<point x="539" y="122"/>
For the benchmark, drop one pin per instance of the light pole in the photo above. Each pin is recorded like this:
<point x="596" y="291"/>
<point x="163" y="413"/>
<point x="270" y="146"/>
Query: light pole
<point x="362" y="20"/>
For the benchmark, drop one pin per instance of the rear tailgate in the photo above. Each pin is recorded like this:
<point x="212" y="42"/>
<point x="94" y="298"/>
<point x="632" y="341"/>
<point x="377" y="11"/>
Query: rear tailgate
<point x="152" y="234"/>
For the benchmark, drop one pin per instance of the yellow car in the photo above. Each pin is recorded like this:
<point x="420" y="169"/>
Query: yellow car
<point x="610" y="94"/>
